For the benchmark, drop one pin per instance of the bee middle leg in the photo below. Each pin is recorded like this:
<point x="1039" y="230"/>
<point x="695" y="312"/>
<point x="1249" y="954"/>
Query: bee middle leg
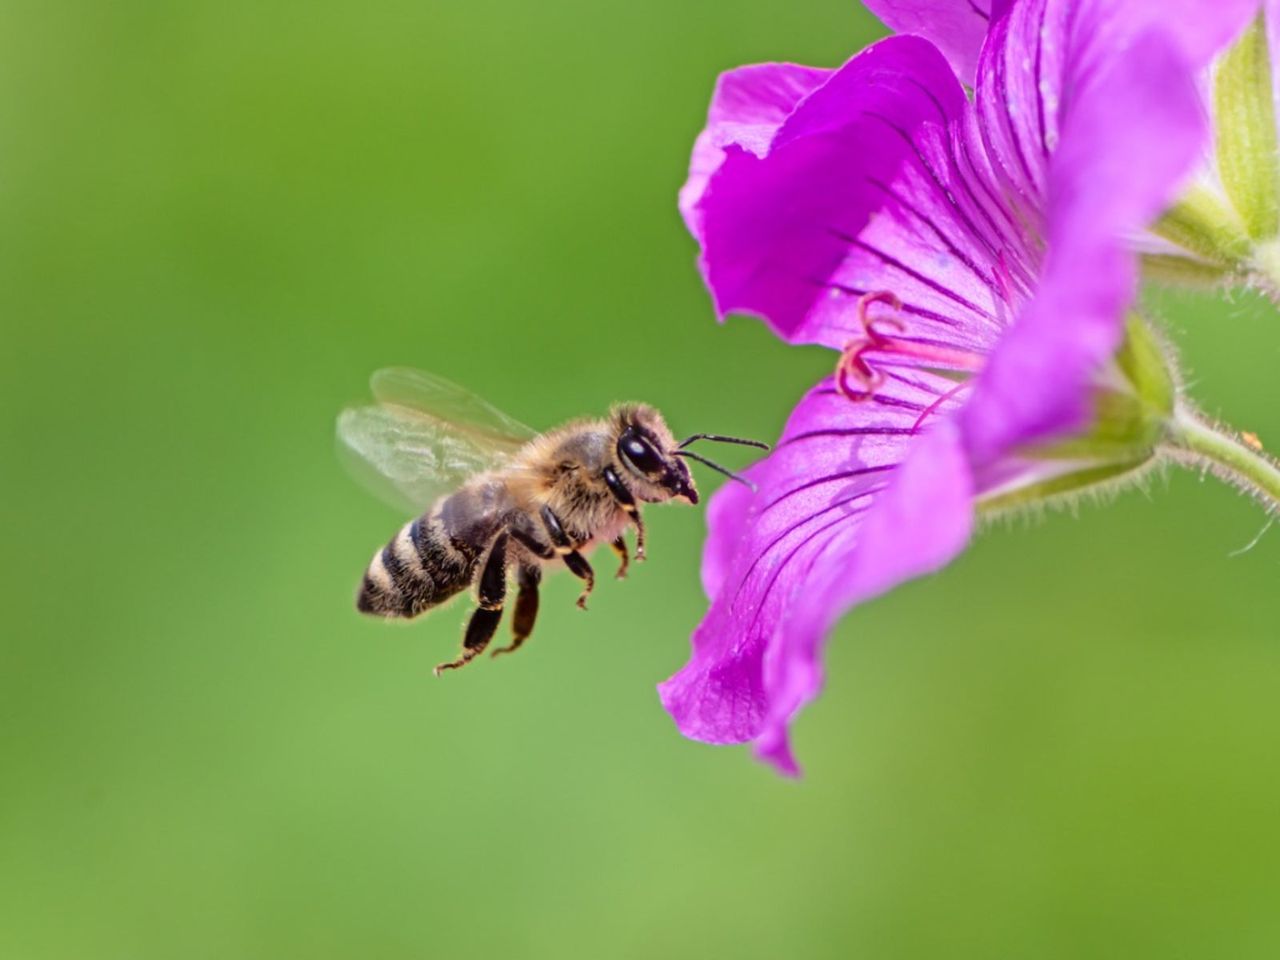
<point x="575" y="561"/>
<point x="526" y="611"/>
<point x="484" y="621"/>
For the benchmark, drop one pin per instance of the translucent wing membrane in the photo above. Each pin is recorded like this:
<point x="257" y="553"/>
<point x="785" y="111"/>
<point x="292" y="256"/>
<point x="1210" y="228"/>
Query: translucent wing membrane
<point x="423" y="437"/>
<point x="445" y="401"/>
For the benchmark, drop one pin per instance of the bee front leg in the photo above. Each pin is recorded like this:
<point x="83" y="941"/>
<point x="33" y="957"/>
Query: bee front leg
<point x="627" y="501"/>
<point x="484" y="622"/>
<point x="575" y="561"/>
<point x="526" y="611"/>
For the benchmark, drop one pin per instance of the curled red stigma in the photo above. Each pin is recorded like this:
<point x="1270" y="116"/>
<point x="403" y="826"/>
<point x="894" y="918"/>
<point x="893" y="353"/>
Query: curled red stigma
<point x="852" y="362"/>
<point x="877" y="337"/>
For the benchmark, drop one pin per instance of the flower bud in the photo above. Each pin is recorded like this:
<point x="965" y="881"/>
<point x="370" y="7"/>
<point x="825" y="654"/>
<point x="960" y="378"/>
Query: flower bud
<point x="1226" y="226"/>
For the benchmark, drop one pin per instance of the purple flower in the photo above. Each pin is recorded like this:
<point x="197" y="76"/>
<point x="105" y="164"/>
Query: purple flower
<point x="968" y="260"/>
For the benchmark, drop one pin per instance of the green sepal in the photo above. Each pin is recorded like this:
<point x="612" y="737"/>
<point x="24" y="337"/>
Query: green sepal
<point x="1131" y="415"/>
<point x="1128" y="419"/>
<point x="1143" y="360"/>
<point x="1246" y="132"/>
<point x="1202" y="223"/>
<point x="1062" y="485"/>
<point x="1187" y="272"/>
<point x="1120" y="430"/>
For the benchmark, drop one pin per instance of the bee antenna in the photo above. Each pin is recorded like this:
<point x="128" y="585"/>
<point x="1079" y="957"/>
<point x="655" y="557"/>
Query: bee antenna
<point x="718" y="438"/>
<point x="715" y="466"/>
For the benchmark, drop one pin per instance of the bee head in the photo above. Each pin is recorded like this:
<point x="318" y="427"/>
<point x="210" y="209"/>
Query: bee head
<point x="646" y="448"/>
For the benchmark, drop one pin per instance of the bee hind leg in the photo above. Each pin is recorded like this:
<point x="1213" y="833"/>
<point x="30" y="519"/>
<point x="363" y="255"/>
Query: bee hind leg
<point x="484" y="621"/>
<point x="526" y="611"/>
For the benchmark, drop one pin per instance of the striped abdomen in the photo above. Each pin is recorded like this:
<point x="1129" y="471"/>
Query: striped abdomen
<point x="421" y="567"/>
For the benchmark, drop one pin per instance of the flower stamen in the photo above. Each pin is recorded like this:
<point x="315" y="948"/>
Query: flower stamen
<point x="933" y="407"/>
<point x="855" y="365"/>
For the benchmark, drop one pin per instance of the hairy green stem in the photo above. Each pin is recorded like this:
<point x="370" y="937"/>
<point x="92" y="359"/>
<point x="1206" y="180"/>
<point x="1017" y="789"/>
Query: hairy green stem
<point x="1190" y="439"/>
<point x="1264" y="269"/>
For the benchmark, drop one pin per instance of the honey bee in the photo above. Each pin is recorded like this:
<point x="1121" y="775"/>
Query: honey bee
<point x="502" y="497"/>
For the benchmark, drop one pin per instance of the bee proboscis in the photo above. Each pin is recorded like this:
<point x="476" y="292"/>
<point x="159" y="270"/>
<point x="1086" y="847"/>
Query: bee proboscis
<point x="500" y="497"/>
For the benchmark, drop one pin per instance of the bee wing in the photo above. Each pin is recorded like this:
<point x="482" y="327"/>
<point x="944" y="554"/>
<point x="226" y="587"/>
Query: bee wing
<point x="423" y="437"/>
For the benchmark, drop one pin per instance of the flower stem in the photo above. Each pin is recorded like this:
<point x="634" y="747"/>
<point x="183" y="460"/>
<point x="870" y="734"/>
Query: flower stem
<point x="1243" y="464"/>
<point x="1264" y="269"/>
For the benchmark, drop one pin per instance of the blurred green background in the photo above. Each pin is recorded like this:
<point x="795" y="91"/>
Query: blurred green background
<point x="215" y="220"/>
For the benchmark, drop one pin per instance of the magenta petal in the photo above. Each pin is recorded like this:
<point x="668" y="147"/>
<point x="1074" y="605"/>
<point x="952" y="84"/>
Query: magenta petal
<point x="818" y="491"/>
<point x="916" y="526"/>
<point x="1130" y="137"/>
<point x="1039" y="50"/>
<point x="956" y="27"/>
<point x="1018" y="96"/>
<point x="747" y="107"/>
<point x="727" y="514"/>
<point x="1200" y="28"/>
<point x="780" y="229"/>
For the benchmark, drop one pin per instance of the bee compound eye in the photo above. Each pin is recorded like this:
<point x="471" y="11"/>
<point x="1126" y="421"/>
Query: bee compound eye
<point x="640" y="453"/>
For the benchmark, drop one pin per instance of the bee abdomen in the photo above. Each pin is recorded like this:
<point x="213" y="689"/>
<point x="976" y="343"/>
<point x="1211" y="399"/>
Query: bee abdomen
<point x="416" y="570"/>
